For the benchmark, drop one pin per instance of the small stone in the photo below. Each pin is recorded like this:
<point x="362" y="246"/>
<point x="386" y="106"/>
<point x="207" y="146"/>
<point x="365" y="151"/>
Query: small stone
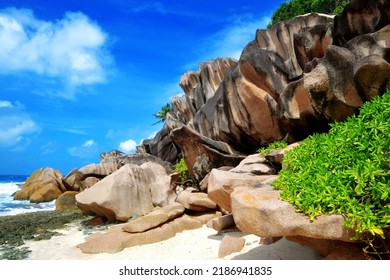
<point x="230" y="245"/>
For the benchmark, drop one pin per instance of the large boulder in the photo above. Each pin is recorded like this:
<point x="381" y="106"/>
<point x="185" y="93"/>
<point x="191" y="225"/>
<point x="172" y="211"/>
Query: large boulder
<point x="130" y="191"/>
<point x="115" y="239"/>
<point x="260" y="211"/>
<point x="85" y="177"/>
<point x="336" y="86"/>
<point x="121" y="159"/>
<point x="43" y="185"/>
<point x="360" y="17"/>
<point x="157" y="217"/>
<point x="202" y="154"/>
<point x="243" y="111"/>
<point x="162" y="146"/>
<point x="66" y="201"/>
<point x="222" y="183"/>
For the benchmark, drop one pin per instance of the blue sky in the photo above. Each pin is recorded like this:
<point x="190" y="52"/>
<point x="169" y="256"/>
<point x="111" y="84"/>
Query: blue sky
<point x="78" y="78"/>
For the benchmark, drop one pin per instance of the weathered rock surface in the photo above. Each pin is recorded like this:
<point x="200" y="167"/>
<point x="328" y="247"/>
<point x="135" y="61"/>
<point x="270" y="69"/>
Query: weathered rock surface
<point x="155" y="218"/>
<point x="130" y="191"/>
<point x="66" y="201"/>
<point x="115" y="239"/>
<point x="230" y="245"/>
<point x="87" y="176"/>
<point x="195" y="201"/>
<point x="332" y="249"/>
<point x="43" y="185"/>
<point x="222" y="183"/>
<point x="260" y="211"/>
<point x="121" y="159"/>
<point x="199" y="150"/>
<point x="276" y="157"/>
<point x="360" y="17"/>
<point x="162" y="146"/>
<point x="221" y="223"/>
<point x="255" y="164"/>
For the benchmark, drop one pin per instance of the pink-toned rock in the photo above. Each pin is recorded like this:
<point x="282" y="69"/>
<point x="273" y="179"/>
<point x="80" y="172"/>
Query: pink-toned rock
<point x="230" y="245"/>
<point x="254" y="164"/>
<point x="87" y="176"/>
<point x="43" y="185"/>
<point x="332" y="249"/>
<point x="221" y="223"/>
<point x="115" y="239"/>
<point x="260" y="211"/>
<point x="195" y="201"/>
<point x="222" y="183"/>
<point x="131" y="191"/>
<point x="66" y="201"/>
<point x="155" y="218"/>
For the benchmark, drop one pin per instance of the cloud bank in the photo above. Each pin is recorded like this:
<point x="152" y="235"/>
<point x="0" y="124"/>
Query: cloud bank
<point x="15" y="125"/>
<point x="72" y="50"/>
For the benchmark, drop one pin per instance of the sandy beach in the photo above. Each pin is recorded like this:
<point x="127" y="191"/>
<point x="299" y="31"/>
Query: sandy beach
<point x="198" y="244"/>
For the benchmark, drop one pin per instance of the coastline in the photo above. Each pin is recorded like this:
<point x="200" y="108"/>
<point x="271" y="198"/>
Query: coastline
<point x="59" y="240"/>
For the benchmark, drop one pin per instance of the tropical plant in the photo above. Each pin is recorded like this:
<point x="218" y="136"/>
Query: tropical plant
<point x="162" y="114"/>
<point x="271" y="147"/>
<point x="185" y="176"/>
<point x="345" y="171"/>
<point x="295" y="8"/>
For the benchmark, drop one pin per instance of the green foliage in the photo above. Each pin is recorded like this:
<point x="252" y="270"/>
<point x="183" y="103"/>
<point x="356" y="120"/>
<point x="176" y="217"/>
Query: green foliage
<point x="295" y="8"/>
<point x="271" y="147"/>
<point x="185" y="176"/>
<point x="346" y="171"/>
<point x="162" y="114"/>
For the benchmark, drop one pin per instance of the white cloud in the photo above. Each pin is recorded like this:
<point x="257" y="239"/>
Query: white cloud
<point x="15" y="125"/>
<point x="72" y="50"/>
<point x="86" y="150"/>
<point x="232" y="39"/>
<point x="128" y="146"/>
<point x="5" y="104"/>
<point x="89" y="143"/>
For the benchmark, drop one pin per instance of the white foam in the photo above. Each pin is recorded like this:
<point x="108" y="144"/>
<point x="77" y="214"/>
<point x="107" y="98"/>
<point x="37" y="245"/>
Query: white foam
<point x="9" y="206"/>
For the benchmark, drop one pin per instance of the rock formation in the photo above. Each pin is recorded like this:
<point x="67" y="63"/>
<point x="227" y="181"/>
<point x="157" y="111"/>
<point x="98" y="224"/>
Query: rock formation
<point x="43" y="185"/>
<point x="291" y="81"/>
<point x="131" y="191"/>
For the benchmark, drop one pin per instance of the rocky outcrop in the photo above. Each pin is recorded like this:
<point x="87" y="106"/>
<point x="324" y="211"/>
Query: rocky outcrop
<point x="360" y="17"/>
<point x="116" y="239"/>
<point x="196" y="201"/>
<point x="260" y="211"/>
<point x="161" y="146"/>
<point x="66" y="201"/>
<point x="131" y="191"/>
<point x="337" y="85"/>
<point x="222" y="183"/>
<point x="155" y="218"/>
<point x="202" y="154"/>
<point x="120" y="159"/>
<point x="87" y="176"/>
<point x="43" y="185"/>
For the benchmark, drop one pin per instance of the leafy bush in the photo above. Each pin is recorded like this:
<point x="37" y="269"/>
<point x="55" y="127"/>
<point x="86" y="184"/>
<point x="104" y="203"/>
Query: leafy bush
<point x="295" y="8"/>
<point x="271" y="147"/>
<point x="185" y="176"/>
<point x="346" y="171"/>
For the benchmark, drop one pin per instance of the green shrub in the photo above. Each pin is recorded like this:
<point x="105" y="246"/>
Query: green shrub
<point x="271" y="147"/>
<point x="345" y="171"/>
<point x="185" y="176"/>
<point x="293" y="8"/>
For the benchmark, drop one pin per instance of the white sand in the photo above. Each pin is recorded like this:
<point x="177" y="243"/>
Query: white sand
<point x="198" y="244"/>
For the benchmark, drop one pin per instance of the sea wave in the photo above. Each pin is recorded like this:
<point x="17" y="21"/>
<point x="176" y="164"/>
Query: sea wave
<point x="9" y="206"/>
